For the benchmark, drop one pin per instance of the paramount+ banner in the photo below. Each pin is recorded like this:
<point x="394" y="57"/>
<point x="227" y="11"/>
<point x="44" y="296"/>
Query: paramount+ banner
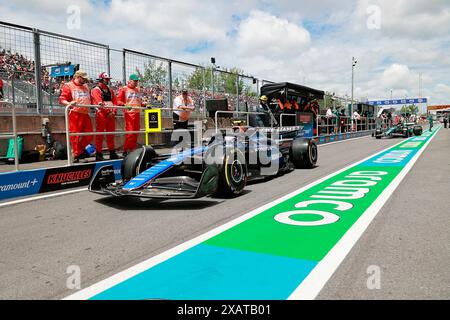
<point x="26" y="183"/>
<point x="56" y="179"/>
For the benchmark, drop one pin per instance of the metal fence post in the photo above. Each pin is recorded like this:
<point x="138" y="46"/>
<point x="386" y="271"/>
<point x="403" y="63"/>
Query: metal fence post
<point x="13" y="95"/>
<point x="124" y="68"/>
<point x="204" y="90"/>
<point x="169" y="66"/>
<point x="108" y="57"/>
<point x="237" y="92"/>
<point x="16" y="144"/>
<point x="37" y="70"/>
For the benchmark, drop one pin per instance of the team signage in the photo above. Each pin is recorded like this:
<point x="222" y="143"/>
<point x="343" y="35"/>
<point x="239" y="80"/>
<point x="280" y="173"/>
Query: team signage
<point x="153" y="122"/>
<point x="441" y="107"/>
<point x="305" y="120"/>
<point x="67" y="177"/>
<point x="396" y="102"/>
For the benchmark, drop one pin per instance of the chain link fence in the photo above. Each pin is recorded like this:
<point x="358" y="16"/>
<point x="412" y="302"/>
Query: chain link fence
<point x="154" y="75"/>
<point x="56" y="50"/>
<point x="28" y="58"/>
<point x="192" y="78"/>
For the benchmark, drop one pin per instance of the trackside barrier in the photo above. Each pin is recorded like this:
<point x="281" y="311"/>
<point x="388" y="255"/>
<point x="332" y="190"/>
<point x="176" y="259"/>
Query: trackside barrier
<point x="13" y="134"/>
<point x="327" y="125"/>
<point x="32" y="182"/>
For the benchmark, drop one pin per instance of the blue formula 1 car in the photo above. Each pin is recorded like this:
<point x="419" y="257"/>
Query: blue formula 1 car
<point x="222" y="166"/>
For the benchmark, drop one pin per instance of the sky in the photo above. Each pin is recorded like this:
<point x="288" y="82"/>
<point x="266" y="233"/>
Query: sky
<point x="305" y="42"/>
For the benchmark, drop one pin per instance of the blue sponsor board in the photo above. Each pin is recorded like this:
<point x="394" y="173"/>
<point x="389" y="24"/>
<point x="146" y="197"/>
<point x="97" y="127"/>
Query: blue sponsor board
<point x="30" y="182"/>
<point x="62" y="71"/>
<point x="19" y="184"/>
<point x="397" y="101"/>
<point x="305" y="119"/>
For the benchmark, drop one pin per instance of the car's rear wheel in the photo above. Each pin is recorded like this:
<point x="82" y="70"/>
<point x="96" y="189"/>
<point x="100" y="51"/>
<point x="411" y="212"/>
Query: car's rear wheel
<point x="378" y="133"/>
<point x="304" y="153"/>
<point x="417" y="130"/>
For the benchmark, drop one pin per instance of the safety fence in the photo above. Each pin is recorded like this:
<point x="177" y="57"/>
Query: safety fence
<point x="332" y="125"/>
<point x="36" y="54"/>
<point x="12" y="135"/>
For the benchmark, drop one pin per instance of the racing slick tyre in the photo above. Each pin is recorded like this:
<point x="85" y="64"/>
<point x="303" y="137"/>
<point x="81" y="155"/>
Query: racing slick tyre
<point x="233" y="175"/>
<point x="304" y="153"/>
<point x="417" y="130"/>
<point x="405" y="133"/>
<point x="136" y="162"/>
<point x="378" y="134"/>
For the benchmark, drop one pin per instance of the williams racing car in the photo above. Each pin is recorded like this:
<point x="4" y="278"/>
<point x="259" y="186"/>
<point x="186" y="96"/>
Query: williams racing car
<point x="222" y="165"/>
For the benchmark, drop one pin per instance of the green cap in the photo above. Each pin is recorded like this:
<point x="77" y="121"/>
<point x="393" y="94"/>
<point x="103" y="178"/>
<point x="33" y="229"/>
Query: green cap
<point x="134" y="77"/>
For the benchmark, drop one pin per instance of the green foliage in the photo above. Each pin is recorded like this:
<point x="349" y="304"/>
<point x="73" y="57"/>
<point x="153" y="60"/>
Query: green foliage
<point x="224" y="82"/>
<point x="153" y="74"/>
<point x="411" y="109"/>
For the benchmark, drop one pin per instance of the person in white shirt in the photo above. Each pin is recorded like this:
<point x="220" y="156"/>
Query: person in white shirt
<point x="182" y="109"/>
<point x="356" y="118"/>
<point x="329" y="115"/>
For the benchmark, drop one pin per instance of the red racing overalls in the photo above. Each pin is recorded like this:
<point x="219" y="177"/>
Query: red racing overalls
<point x="131" y="97"/>
<point x="105" y="118"/>
<point x="79" y="120"/>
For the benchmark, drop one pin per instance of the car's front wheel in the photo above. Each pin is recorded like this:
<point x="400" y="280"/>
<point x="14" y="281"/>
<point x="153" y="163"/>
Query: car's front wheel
<point x="136" y="162"/>
<point x="234" y="173"/>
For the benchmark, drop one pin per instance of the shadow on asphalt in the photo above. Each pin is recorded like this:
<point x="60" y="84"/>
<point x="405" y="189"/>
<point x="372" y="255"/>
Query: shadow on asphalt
<point x="130" y="203"/>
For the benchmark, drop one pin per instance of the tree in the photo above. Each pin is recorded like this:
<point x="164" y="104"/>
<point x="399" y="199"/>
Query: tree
<point x="223" y="81"/>
<point x="411" y="109"/>
<point x="195" y="80"/>
<point x="153" y="73"/>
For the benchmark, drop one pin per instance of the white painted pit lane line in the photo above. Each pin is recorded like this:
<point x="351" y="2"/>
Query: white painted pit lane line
<point x="53" y="195"/>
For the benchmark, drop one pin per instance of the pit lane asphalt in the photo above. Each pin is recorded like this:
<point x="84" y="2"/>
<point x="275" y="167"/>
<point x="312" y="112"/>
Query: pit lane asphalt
<point x="409" y="239"/>
<point x="103" y="236"/>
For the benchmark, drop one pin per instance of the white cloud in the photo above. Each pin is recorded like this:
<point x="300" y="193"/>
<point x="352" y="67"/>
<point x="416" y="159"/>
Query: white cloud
<point x="263" y="34"/>
<point x="308" y="42"/>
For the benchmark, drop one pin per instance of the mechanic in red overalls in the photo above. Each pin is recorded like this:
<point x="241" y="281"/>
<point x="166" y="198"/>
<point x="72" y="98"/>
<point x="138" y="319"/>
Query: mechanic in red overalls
<point x="73" y="93"/>
<point x="105" y="118"/>
<point x="131" y="96"/>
